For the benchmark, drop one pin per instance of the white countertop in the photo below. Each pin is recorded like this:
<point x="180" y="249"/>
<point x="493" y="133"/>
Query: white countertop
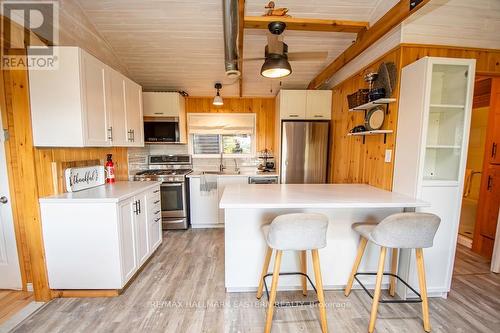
<point x="313" y="196"/>
<point x="104" y="193"/>
<point x="195" y="174"/>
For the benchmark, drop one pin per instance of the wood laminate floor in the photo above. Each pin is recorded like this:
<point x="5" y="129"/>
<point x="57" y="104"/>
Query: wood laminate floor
<point x="182" y="290"/>
<point x="12" y="301"/>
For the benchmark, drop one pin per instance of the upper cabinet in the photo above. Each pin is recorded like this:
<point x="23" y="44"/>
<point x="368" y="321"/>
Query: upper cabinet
<point x="305" y="104"/>
<point x="166" y="104"/>
<point x="86" y="104"/>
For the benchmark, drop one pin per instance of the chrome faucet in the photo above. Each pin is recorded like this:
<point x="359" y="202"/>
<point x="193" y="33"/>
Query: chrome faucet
<point x="236" y="169"/>
<point x="221" y="164"/>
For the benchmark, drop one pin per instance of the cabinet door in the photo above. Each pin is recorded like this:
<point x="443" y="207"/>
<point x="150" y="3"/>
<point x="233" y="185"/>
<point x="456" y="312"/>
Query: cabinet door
<point x="489" y="202"/>
<point x="160" y="104"/>
<point x="129" y="262"/>
<point x="293" y="104"/>
<point x="96" y="117"/>
<point x="493" y="146"/>
<point x="222" y="182"/>
<point x="154" y="219"/>
<point x="116" y="101"/>
<point x="204" y="205"/>
<point x="319" y="104"/>
<point x="133" y="107"/>
<point x="141" y="224"/>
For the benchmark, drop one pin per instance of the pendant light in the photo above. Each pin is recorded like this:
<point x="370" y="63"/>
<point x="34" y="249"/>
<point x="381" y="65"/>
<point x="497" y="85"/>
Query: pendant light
<point x="276" y="65"/>
<point x="218" y="99"/>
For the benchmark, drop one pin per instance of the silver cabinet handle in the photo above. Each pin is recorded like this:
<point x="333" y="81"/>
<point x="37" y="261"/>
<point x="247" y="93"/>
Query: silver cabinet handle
<point x="318" y="116"/>
<point x="157" y="212"/>
<point x="4" y="200"/>
<point x="157" y="219"/>
<point x="157" y="201"/>
<point x="293" y="115"/>
<point x="110" y="133"/>
<point x="133" y="135"/>
<point x="156" y="191"/>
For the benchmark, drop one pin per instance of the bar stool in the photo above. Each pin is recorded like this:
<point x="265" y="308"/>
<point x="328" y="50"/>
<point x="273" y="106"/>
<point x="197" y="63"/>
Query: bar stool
<point x="397" y="231"/>
<point x="294" y="232"/>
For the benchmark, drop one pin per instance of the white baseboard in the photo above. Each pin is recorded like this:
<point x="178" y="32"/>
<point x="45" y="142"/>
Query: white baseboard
<point x="207" y="226"/>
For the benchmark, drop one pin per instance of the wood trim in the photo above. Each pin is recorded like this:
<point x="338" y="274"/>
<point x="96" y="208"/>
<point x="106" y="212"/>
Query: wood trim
<point x="241" y="34"/>
<point x="306" y="24"/>
<point x="392" y="18"/>
<point x="80" y="293"/>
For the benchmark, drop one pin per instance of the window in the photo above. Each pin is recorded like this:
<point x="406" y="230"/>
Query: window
<point x="211" y="134"/>
<point x="213" y="144"/>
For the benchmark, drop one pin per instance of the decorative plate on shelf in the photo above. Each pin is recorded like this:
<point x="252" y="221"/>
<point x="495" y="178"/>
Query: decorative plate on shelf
<point x="375" y="118"/>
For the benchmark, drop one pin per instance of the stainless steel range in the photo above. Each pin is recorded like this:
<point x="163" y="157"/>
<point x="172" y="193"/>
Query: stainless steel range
<point x="171" y="170"/>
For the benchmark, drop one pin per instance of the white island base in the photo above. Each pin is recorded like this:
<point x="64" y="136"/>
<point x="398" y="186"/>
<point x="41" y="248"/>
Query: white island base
<point x="248" y="207"/>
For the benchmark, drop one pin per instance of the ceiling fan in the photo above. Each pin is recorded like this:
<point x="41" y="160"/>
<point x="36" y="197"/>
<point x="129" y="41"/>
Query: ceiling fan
<point x="276" y="57"/>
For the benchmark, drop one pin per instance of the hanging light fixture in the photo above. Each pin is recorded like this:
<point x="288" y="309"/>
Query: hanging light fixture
<point x="218" y="99"/>
<point x="276" y="65"/>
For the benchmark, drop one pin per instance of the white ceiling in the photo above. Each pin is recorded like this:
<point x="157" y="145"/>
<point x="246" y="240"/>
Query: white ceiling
<point x="178" y="44"/>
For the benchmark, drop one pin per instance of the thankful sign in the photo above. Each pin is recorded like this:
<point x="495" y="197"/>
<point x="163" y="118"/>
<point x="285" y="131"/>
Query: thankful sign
<point x="78" y="179"/>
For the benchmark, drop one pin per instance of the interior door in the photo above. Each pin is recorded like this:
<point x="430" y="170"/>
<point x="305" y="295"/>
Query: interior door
<point x="95" y="102"/>
<point x="494" y="121"/>
<point x="488" y="216"/>
<point x="9" y="261"/>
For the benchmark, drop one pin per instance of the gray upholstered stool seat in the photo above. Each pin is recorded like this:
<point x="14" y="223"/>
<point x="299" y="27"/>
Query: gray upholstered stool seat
<point x="402" y="231"/>
<point x="397" y="231"/>
<point x="295" y="232"/>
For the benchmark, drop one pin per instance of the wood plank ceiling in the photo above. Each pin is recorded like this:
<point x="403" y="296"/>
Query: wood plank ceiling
<point x="178" y="44"/>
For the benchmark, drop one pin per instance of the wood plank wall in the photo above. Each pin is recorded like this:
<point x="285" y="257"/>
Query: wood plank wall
<point x="263" y="107"/>
<point x="353" y="162"/>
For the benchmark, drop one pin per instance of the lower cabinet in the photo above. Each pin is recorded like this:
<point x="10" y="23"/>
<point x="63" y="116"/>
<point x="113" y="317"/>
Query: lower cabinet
<point x="100" y="245"/>
<point x="204" y="206"/>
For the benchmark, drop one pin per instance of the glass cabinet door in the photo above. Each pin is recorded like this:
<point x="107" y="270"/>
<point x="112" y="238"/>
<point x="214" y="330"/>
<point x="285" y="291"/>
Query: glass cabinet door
<point x="445" y="129"/>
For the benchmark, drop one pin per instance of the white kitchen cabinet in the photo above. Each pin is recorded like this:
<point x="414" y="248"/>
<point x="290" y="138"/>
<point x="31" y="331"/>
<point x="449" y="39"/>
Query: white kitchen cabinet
<point x="318" y="104"/>
<point x="204" y="206"/>
<point x="83" y="105"/>
<point x="133" y="111"/>
<point x="116" y="104"/>
<point x="292" y="104"/>
<point x="96" y="117"/>
<point x="431" y="153"/>
<point x="127" y="232"/>
<point x="99" y="238"/>
<point x="166" y="104"/>
<point x="222" y="182"/>
<point x="305" y="104"/>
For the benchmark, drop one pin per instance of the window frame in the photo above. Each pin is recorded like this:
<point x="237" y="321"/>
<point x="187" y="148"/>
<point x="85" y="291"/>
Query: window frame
<point x="221" y="148"/>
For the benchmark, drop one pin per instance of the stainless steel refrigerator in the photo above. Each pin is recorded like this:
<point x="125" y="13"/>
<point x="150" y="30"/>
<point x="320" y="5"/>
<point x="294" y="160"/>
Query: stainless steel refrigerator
<point x="304" y="152"/>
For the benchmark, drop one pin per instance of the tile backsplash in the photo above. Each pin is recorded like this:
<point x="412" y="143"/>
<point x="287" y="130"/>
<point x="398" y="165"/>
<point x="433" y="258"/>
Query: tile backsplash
<point x="138" y="159"/>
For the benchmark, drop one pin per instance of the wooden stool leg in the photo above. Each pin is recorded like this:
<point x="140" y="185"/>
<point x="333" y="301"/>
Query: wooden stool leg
<point x="269" y="253"/>
<point x="272" y="295"/>
<point x="357" y="261"/>
<point x="378" y="285"/>
<point x="423" y="288"/>
<point x="303" y="269"/>
<point x="394" y="270"/>
<point x="319" y="287"/>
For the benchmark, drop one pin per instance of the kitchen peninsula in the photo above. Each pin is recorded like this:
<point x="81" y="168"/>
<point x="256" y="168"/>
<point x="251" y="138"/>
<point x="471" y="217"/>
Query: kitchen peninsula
<point x="248" y="207"/>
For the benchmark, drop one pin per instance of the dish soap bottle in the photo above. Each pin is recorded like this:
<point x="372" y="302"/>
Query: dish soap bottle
<point x="110" y="170"/>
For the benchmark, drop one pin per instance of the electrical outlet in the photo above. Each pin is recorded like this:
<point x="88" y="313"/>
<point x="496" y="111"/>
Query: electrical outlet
<point x="388" y="156"/>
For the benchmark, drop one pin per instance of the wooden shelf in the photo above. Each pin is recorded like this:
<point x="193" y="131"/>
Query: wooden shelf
<point x="376" y="132"/>
<point x="370" y="133"/>
<point x="442" y="147"/>
<point x="372" y="104"/>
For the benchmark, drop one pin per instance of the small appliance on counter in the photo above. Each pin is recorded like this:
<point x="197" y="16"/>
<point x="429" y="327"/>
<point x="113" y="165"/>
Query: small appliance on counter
<point x="266" y="161"/>
<point x="171" y="170"/>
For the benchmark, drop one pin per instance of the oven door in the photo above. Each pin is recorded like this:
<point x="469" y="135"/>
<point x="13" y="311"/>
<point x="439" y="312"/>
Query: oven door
<point x="173" y="200"/>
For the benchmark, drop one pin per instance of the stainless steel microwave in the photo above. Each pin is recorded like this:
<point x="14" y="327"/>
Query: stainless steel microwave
<point x="161" y="129"/>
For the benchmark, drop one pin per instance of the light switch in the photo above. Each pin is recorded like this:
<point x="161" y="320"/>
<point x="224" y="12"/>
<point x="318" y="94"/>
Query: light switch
<point x="388" y="155"/>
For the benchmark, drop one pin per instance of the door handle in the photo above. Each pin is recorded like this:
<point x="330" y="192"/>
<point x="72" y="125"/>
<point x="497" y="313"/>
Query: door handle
<point x="136" y="210"/>
<point x="490" y="183"/>
<point x="4" y="200"/>
<point x="138" y="205"/>
<point x="110" y="133"/>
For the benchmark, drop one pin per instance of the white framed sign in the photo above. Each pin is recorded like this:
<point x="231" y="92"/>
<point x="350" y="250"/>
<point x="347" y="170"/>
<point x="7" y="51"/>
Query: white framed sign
<point x="82" y="178"/>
